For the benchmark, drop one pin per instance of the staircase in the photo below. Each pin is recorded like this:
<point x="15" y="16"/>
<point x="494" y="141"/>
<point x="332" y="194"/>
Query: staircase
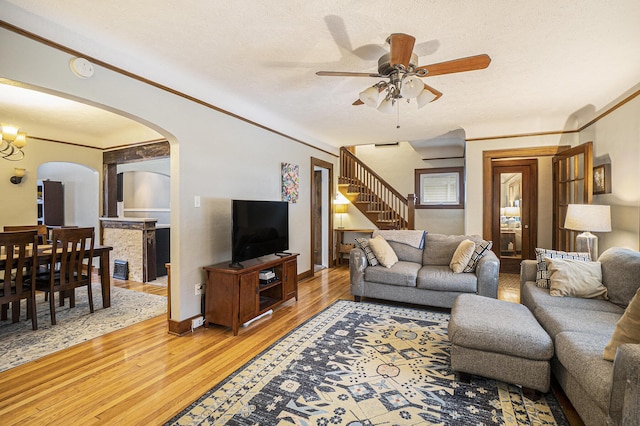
<point x="376" y="199"/>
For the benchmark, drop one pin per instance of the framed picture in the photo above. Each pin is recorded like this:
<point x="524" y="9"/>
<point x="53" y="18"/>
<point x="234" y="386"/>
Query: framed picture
<point x="602" y="179"/>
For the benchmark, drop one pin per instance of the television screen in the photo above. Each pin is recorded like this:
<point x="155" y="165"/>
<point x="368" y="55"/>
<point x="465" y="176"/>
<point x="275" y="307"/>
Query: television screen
<point x="259" y="228"/>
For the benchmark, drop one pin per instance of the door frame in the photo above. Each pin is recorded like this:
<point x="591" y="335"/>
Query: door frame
<point x="316" y="162"/>
<point x="488" y="158"/>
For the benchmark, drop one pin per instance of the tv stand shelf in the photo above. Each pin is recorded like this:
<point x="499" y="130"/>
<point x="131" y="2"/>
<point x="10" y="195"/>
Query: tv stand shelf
<point x="234" y="296"/>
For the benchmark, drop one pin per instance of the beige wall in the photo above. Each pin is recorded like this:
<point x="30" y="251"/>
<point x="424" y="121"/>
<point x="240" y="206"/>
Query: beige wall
<point x="19" y="201"/>
<point x="213" y="156"/>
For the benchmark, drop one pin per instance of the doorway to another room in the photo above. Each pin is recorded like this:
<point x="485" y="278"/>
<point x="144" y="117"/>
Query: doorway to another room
<point x="321" y="218"/>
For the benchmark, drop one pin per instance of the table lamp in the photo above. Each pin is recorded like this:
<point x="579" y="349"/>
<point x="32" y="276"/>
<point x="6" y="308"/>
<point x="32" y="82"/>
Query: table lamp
<point x="587" y="218"/>
<point x="341" y="209"/>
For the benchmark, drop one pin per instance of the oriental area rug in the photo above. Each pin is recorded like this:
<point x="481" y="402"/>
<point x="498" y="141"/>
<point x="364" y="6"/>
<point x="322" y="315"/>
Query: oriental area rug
<point x="20" y="344"/>
<point x="362" y="364"/>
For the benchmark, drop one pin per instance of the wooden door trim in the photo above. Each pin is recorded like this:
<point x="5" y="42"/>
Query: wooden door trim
<point x="487" y="165"/>
<point x="316" y="162"/>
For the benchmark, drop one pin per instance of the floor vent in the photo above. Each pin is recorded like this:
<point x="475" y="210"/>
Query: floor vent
<point x="121" y="269"/>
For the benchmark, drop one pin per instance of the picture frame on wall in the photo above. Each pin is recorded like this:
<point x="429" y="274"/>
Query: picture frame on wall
<point x="602" y="179"/>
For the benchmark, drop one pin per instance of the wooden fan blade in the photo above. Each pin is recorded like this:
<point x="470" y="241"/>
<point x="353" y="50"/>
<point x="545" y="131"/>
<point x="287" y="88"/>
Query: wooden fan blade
<point x="436" y="92"/>
<point x="401" y="49"/>
<point x="345" y="74"/>
<point x="358" y="102"/>
<point x="471" y="63"/>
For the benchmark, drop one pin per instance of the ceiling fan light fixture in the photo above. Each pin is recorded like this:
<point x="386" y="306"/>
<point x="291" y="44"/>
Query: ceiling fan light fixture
<point x="425" y="97"/>
<point x="386" y="106"/>
<point x="370" y="96"/>
<point x="411" y="87"/>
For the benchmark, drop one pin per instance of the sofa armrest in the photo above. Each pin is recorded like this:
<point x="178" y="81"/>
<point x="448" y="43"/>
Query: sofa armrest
<point x="357" y="265"/>
<point x="528" y="270"/>
<point x="625" y="391"/>
<point x="487" y="272"/>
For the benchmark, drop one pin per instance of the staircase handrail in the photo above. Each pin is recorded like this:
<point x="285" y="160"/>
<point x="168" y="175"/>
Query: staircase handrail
<point x="384" y="183"/>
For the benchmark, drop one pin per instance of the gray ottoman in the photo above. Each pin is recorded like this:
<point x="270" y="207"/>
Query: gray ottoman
<point x="500" y="340"/>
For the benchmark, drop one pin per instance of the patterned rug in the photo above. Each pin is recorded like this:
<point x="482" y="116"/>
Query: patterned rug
<point x="21" y="344"/>
<point x="361" y="364"/>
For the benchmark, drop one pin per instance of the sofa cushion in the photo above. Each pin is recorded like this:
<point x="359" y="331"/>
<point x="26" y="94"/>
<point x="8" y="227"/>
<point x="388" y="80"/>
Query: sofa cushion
<point x="620" y="272"/>
<point x="442" y="278"/>
<point x="462" y="256"/>
<point x="581" y="356"/>
<point x="556" y="319"/>
<point x="439" y="248"/>
<point x="627" y="329"/>
<point x="383" y="251"/>
<point x="406" y="252"/>
<point x="574" y="278"/>
<point x="542" y="274"/>
<point x="533" y="296"/>
<point x="402" y="274"/>
<point x="482" y="248"/>
<point x="363" y="243"/>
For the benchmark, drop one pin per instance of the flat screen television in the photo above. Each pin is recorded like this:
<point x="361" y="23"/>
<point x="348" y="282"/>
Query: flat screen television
<point x="259" y="228"/>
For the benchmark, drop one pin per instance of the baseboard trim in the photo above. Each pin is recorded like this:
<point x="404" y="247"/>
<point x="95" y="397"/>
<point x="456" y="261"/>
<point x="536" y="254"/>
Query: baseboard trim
<point x="181" y="328"/>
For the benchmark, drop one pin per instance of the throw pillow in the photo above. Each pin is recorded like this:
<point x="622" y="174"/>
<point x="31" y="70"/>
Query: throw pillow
<point x="575" y="278"/>
<point x="383" y="251"/>
<point x="363" y="243"/>
<point x="482" y="248"/>
<point x="462" y="256"/>
<point x="542" y="275"/>
<point x="627" y="329"/>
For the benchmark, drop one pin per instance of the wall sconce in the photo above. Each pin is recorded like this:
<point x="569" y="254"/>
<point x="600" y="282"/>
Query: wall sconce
<point x="18" y="175"/>
<point x="13" y="140"/>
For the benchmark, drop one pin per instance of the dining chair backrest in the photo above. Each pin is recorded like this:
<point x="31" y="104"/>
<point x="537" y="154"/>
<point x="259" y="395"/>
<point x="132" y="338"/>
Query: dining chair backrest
<point x="74" y="246"/>
<point x="15" y="249"/>
<point x="43" y="233"/>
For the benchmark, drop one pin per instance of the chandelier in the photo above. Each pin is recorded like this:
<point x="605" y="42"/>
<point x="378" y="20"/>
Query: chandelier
<point x="13" y="140"/>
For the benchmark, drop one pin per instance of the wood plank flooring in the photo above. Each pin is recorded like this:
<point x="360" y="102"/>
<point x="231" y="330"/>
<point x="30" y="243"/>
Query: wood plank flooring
<point x="141" y="375"/>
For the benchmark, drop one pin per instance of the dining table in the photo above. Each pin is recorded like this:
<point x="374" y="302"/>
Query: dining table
<point x="44" y="258"/>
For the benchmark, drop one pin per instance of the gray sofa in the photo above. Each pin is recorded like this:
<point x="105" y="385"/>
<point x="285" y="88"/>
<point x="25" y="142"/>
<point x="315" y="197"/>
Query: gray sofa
<point x="603" y="392"/>
<point x="423" y="276"/>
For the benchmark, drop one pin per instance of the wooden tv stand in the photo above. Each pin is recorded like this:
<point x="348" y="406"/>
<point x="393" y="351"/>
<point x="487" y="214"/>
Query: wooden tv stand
<point x="234" y="296"/>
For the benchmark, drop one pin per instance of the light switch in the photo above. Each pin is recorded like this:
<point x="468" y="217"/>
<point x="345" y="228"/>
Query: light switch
<point x="196" y="201"/>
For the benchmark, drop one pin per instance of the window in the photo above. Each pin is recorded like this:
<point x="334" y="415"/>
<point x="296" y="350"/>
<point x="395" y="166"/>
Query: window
<point x="440" y="188"/>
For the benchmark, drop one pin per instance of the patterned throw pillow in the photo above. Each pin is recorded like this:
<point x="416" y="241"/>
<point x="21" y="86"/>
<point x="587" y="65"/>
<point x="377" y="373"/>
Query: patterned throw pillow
<point x="363" y="243"/>
<point x="542" y="273"/>
<point x="482" y="248"/>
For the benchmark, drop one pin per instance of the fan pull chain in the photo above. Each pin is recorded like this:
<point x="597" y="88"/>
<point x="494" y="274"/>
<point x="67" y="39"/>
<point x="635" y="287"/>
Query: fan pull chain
<point x="397" y="114"/>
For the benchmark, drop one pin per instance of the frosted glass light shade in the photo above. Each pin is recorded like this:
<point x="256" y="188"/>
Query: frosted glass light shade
<point x="370" y="96"/>
<point x="386" y="106"/>
<point x="411" y="87"/>
<point x="9" y="132"/>
<point x="425" y="97"/>
<point x="21" y="140"/>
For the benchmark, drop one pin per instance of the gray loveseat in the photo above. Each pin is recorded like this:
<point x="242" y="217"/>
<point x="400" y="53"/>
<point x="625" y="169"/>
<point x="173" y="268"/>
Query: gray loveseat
<point x="603" y="392"/>
<point x="423" y="276"/>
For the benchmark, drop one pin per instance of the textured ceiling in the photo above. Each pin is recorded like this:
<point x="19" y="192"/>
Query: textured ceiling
<point x="552" y="61"/>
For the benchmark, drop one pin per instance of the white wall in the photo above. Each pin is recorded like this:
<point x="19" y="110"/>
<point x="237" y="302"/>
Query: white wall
<point x="212" y="155"/>
<point x="81" y="189"/>
<point x="396" y="165"/>
<point x="19" y="201"/>
<point x="616" y="140"/>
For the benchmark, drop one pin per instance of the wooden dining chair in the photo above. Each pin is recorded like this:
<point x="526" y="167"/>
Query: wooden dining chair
<point x="43" y="233"/>
<point x="18" y="250"/>
<point x="70" y="248"/>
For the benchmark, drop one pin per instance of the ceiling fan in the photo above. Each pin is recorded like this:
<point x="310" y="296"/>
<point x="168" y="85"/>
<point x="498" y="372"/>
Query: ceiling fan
<point x="400" y="67"/>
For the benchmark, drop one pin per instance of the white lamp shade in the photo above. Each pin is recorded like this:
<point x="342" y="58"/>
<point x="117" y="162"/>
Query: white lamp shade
<point x="588" y="217"/>
<point x="386" y="106"/>
<point x="21" y="140"/>
<point x="411" y="87"/>
<point x="425" y="97"/>
<point x="9" y="132"/>
<point x="370" y="96"/>
<point x="512" y="211"/>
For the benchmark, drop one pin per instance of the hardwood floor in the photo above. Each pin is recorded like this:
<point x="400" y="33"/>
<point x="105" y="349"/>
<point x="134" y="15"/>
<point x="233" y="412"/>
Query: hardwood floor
<point x="141" y="375"/>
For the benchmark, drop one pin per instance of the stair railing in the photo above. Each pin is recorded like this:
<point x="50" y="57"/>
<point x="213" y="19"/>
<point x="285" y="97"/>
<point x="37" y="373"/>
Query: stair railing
<point x="394" y="207"/>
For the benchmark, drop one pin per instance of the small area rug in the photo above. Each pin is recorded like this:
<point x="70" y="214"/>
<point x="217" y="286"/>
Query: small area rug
<point x="21" y="344"/>
<point x="363" y="364"/>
